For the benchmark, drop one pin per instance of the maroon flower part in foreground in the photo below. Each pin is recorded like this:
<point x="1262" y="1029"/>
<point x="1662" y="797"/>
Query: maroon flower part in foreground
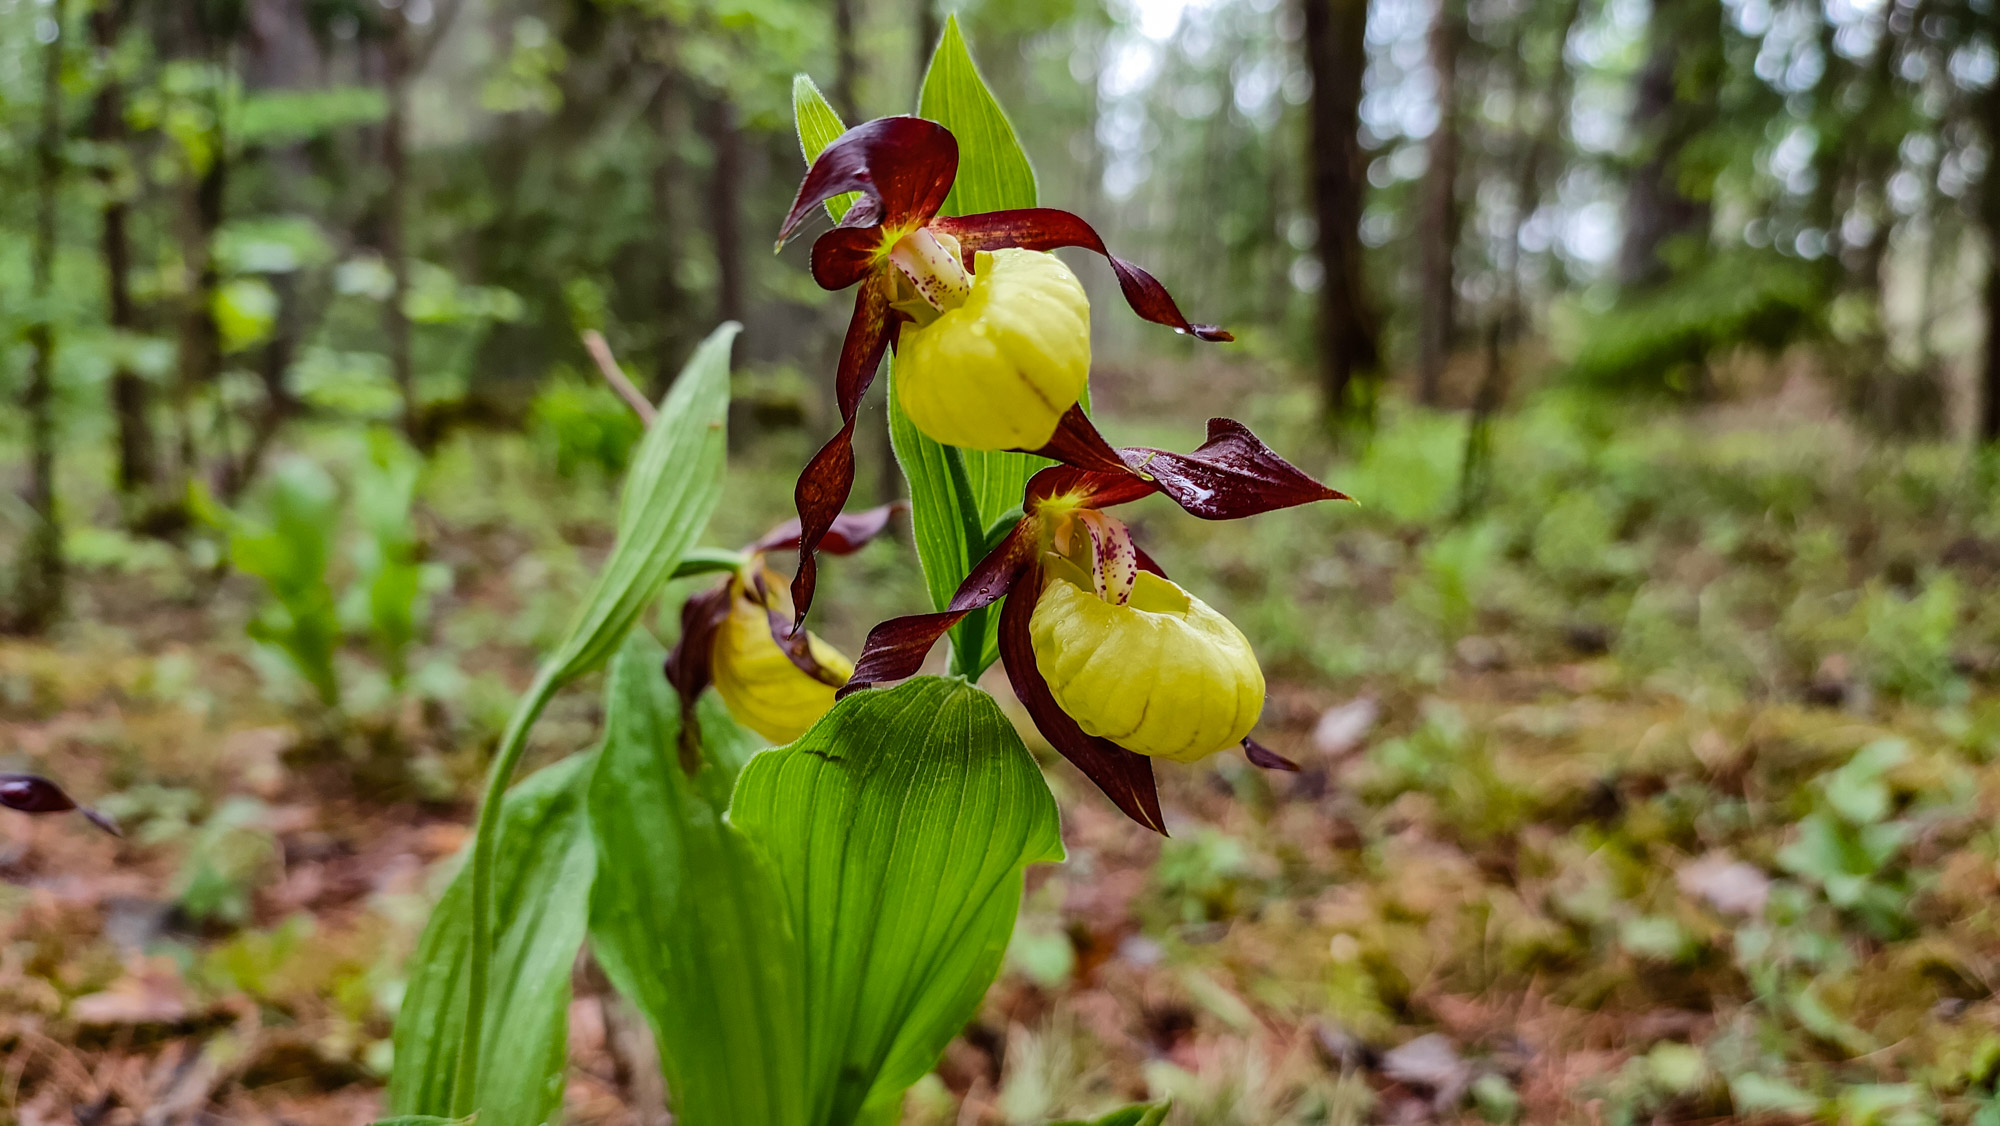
<point x="904" y="168"/>
<point x="1231" y="476"/>
<point x="31" y="793"/>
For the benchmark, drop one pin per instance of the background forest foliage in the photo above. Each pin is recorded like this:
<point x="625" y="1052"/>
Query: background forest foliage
<point x="1649" y="702"/>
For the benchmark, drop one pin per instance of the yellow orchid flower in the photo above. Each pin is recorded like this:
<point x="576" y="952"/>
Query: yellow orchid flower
<point x="996" y="369"/>
<point x="1162" y="673"/>
<point x="737" y="637"/>
<point x="765" y="688"/>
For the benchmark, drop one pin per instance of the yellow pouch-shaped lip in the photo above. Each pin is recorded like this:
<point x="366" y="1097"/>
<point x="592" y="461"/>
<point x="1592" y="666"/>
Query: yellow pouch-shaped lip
<point x="762" y="687"/>
<point x="998" y="371"/>
<point x="1163" y="675"/>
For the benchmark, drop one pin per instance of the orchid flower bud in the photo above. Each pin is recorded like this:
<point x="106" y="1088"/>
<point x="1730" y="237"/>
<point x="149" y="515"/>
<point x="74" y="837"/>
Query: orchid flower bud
<point x="996" y="368"/>
<point x="764" y="688"/>
<point x="1161" y="673"/>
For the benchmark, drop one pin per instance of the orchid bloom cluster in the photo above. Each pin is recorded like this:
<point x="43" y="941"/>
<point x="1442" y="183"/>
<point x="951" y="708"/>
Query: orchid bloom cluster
<point x="992" y="335"/>
<point x="1115" y="663"/>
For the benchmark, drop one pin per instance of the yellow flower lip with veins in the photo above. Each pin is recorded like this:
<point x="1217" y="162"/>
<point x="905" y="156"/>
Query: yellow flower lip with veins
<point x="997" y="371"/>
<point x="763" y="689"/>
<point x="1163" y="674"/>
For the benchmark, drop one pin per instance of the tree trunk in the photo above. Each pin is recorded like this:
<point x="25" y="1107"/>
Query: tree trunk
<point x="199" y="349"/>
<point x="131" y="395"/>
<point x="1674" y="101"/>
<point x="670" y="298"/>
<point x="928" y="32"/>
<point x="38" y="581"/>
<point x="1335" y="55"/>
<point x="725" y="201"/>
<point x="846" y="65"/>
<point x="1989" y="213"/>
<point x="395" y="236"/>
<point x="1438" y="235"/>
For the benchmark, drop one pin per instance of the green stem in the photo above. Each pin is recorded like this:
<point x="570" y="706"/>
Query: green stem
<point x="465" y="1086"/>
<point x="968" y="638"/>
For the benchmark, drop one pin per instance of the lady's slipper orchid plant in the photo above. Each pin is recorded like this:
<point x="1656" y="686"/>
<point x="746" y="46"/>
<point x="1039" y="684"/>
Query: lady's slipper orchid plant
<point x="1115" y="663"/>
<point x="993" y="335"/>
<point x="738" y="636"/>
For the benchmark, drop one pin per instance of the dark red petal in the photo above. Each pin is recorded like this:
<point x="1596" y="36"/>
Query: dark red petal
<point x="896" y="648"/>
<point x="1091" y="487"/>
<point x="1045" y="228"/>
<point x="849" y="532"/>
<point x="1232" y="475"/>
<point x="1124" y="776"/>
<point x="31" y="793"/>
<point x="1077" y="444"/>
<point x="828" y="478"/>
<point x="795" y="644"/>
<point x="1261" y="755"/>
<point x="845" y="256"/>
<point x="902" y="166"/>
<point x="688" y="666"/>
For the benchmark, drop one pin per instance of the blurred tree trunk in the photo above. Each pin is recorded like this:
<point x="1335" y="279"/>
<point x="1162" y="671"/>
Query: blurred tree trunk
<point x="1989" y="215"/>
<point x="395" y="216"/>
<point x="1674" y="102"/>
<point x="1438" y="230"/>
<point x="928" y="32"/>
<point x="198" y="351"/>
<point x="38" y="580"/>
<point x="846" y="64"/>
<point x="725" y="204"/>
<point x="670" y="298"/>
<point x="1336" y="55"/>
<point x="131" y="395"/>
<point x="1541" y="144"/>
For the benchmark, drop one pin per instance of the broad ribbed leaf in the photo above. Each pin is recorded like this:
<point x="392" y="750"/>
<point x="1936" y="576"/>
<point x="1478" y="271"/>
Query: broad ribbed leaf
<point x="672" y="488"/>
<point x="899" y="826"/>
<point x="542" y="876"/>
<point x="689" y="920"/>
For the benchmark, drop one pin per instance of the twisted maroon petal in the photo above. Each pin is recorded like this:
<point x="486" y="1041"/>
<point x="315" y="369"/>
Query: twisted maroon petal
<point x="849" y="532"/>
<point x="902" y="166"/>
<point x="32" y="793"/>
<point x="1045" y="228"/>
<point x="1124" y="776"/>
<point x="896" y="648"/>
<point x="795" y="644"/>
<point x="827" y="479"/>
<point x="1261" y="755"/>
<point x="688" y="664"/>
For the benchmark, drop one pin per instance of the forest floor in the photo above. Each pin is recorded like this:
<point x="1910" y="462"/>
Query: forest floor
<point x="1659" y="787"/>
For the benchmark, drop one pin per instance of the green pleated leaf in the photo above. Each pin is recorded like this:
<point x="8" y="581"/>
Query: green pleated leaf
<point x="672" y="489"/>
<point x="900" y="826"/>
<point x="819" y="125"/>
<point x="543" y="871"/>
<point x="687" y="918"/>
